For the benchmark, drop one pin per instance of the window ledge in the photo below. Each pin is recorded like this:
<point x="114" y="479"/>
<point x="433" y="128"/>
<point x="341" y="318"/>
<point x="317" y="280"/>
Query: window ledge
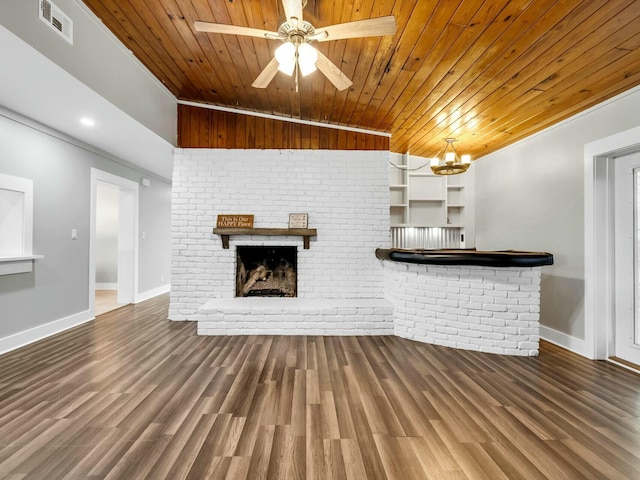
<point x="21" y="264"/>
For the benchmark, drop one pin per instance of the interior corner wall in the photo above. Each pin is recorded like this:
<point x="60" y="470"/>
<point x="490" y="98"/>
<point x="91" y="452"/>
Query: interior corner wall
<point x="60" y="167"/>
<point x="98" y="60"/>
<point x="530" y="196"/>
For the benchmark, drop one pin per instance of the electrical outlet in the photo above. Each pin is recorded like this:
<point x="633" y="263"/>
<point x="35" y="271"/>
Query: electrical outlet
<point x="162" y="278"/>
<point x="74" y="234"/>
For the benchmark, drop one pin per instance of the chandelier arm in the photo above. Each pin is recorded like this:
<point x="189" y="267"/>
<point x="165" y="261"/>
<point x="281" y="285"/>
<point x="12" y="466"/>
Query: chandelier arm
<point x="454" y="150"/>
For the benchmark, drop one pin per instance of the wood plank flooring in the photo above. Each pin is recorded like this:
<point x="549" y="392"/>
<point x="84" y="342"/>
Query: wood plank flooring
<point x="106" y="300"/>
<point x="134" y="396"/>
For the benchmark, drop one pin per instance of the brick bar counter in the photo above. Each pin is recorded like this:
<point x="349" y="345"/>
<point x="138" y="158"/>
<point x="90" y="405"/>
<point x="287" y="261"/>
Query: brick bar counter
<point x="483" y="301"/>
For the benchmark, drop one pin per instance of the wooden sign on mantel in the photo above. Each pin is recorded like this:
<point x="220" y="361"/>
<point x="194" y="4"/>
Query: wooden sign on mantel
<point x="235" y="221"/>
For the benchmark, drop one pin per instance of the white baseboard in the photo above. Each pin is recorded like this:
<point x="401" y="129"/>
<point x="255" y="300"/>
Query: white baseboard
<point x="106" y="286"/>
<point x="34" y="334"/>
<point x="142" y="296"/>
<point x="576" y="345"/>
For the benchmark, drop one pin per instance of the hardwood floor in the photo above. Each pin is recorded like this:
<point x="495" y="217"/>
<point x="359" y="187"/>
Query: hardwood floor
<point x="106" y="300"/>
<point x="134" y="396"/>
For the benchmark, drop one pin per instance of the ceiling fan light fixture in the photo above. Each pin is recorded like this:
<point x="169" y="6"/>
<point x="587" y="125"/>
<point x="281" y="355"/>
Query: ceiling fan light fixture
<point x="295" y="55"/>
<point x="286" y="57"/>
<point x="307" y="58"/>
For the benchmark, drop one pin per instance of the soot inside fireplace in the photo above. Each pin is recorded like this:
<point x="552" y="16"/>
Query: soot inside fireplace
<point x="266" y="271"/>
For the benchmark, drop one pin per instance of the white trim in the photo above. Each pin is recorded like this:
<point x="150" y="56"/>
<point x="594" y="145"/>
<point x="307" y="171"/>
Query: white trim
<point x="154" y="292"/>
<point x="40" y="332"/>
<point x="106" y="286"/>
<point x="284" y="119"/>
<point x="11" y="266"/>
<point x="598" y="281"/>
<point x="21" y="258"/>
<point x="575" y="344"/>
<point x="610" y="360"/>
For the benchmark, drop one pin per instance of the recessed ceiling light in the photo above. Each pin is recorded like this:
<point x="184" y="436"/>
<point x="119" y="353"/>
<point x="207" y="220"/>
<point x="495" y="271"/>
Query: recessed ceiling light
<point x="87" y="122"/>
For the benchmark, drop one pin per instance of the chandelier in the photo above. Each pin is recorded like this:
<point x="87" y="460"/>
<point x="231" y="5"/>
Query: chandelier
<point x="452" y="163"/>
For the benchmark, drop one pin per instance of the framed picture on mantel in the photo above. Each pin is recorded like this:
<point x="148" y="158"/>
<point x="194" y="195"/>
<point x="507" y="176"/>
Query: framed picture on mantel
<point x="298" y="220"/>
<point x="235" y="221"/>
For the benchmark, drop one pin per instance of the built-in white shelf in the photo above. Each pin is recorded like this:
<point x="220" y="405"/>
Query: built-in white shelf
<point x="419" y="199"/>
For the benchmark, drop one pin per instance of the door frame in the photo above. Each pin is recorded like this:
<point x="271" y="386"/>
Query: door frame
<point x="127" y="237"/>
<point x="599" y="308"/>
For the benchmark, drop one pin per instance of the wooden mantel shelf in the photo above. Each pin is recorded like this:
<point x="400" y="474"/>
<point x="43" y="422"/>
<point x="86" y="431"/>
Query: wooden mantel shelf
<point x="305" y="233"/>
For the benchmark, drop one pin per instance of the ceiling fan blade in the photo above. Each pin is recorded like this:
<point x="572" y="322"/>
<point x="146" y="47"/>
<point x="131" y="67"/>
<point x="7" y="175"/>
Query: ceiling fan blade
<point x="265" y="77"/>
<point x="292" y="9"/>
<point x="372" y="27"/>
<point x="233" y="30"/>
<point x="333" y="73"/>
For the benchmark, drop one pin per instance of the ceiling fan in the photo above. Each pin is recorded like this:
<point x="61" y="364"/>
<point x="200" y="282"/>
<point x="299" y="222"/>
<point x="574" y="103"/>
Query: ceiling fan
<point x="296" y="54"/>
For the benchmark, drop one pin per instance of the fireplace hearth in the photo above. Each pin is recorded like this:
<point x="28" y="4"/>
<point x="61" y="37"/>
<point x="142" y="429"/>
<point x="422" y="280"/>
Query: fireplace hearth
<point x="266" y="271"/>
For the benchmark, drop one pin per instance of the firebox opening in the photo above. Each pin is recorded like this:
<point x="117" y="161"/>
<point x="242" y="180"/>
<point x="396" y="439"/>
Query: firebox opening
<point x="266" y="271"/>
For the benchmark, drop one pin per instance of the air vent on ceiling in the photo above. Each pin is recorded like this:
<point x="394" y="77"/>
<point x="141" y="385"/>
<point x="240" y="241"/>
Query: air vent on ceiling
<point x="53" y="16"/>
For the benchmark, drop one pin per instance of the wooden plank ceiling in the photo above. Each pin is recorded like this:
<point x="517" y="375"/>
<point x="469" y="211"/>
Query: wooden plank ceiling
<point x="485" y="72"/>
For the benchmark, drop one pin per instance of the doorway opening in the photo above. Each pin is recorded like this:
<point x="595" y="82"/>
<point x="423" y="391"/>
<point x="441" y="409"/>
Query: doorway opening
<point x="107" y="229"/>
<point x="626" y="325"/>
<point x="600" y="241"/>
<point x="113" y="243"/>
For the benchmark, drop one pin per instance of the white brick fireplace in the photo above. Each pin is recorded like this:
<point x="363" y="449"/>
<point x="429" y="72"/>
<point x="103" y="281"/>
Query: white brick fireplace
<point x="341" y="288"/>
<point x="346" y="196"/>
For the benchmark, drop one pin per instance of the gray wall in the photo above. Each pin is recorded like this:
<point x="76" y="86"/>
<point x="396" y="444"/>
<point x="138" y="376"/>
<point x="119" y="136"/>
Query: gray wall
<point x="155" y="225"/>
<point x="98" y="60"/>
<point x="60" y="170"/>
<point x="530" y="196"/>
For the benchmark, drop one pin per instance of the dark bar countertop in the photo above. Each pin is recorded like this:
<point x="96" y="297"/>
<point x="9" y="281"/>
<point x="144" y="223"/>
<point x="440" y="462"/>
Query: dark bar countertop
<point x="503" y="258"/>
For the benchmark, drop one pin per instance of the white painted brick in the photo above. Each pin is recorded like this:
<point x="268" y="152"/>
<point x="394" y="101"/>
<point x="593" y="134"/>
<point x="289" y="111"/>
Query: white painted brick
<point x="528" y="331"/>
<point x="496" y="350"/>
<point x="495" y="308"/>
<point x="494" y="322"/>
<point x="346" y="195"/>
<point x="529" y="301"/>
